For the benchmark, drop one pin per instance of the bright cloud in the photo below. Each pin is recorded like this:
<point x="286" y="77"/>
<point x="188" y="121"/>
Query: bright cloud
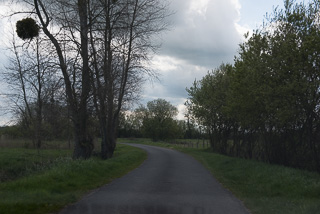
<point x="182" y="111"/>
<point x="204" y="34"/>
<point x="198" y="7"/>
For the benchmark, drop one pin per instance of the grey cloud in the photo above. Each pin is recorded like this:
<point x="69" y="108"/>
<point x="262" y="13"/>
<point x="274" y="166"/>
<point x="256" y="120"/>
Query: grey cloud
<point x="196" y="44"/>
<point x="174" y="81"/>
<point x="203" y="39"/>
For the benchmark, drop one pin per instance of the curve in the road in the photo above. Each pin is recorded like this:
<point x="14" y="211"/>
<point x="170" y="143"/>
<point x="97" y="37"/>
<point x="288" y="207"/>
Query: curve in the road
<point x="168" y="182"/>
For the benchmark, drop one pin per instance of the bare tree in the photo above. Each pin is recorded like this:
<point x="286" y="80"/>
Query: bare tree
<point x="122" y="44"/>
<point x="77" y="83"/>
<point x="102" y="47"/>
<point x="31" y="77"/>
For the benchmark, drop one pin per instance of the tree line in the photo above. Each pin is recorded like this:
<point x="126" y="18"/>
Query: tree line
<point x="86" y="58"/>
<point x="266" y="106"/>
<point x="157" y="120"/>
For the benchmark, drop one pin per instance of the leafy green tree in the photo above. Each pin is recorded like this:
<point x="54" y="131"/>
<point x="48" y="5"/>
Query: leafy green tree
<point x="159" y="124"/>
<point x="207" y="103"/>
<point x="268" y="103"/>
<point x="275" y="89"/>
<point x="161" y="109"/>
<point x="130" y="123"/>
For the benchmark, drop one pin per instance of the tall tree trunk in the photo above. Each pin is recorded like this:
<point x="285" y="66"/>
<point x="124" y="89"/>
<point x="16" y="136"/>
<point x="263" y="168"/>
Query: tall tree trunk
<point x="78" y="106"/>
<point x="113" y="110"/>
<point x="99" y="94"/>
<point x="83" y="141"/>
<point x="38" y="126"/>
<point x="108" y="142"/>
<point x="111" y="133"/>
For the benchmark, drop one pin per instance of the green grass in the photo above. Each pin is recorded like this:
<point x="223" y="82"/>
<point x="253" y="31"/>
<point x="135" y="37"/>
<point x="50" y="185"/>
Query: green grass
<point x="263" y="188"/>
<point x="16" y="163"/>
<point x="28" y="144"/>
<point x="64" y="182"/>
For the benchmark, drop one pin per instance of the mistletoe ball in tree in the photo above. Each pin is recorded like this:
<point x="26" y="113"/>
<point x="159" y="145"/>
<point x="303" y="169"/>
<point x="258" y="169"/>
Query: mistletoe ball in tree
<point x="27" y="28"/>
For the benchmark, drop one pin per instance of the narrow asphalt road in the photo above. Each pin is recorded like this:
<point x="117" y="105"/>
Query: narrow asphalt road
<point x="168" y="182"/>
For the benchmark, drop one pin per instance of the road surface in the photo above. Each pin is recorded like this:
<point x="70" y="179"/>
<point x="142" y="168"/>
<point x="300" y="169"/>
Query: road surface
<point x="168" y="182"/>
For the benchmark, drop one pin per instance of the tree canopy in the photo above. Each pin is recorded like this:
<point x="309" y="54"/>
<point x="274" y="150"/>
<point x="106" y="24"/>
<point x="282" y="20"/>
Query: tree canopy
<point x="266" y="106"/>
<point x="159" y="124"/>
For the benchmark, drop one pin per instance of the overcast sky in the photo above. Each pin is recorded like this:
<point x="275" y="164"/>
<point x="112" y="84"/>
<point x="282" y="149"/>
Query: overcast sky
<point x="204" y="34"/>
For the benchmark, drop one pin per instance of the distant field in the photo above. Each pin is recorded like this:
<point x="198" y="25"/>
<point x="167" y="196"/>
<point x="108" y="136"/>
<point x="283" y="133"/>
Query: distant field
<point x="181" y="143"/>
<point x="263" y="188"/>
<point x="45" y="181"/>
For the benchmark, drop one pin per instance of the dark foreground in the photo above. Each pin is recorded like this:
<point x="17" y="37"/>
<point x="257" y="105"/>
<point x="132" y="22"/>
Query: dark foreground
<point x="168" y="182"/>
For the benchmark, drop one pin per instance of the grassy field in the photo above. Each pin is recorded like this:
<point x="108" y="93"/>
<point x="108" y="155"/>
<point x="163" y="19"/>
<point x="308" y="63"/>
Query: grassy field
<point x="45" y="182"/>
<point x="263" y="188"/>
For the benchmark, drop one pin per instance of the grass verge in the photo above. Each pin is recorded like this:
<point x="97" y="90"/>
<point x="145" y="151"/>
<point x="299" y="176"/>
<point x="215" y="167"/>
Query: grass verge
<point x="263" y="188"/>
<point x="16" y="163"/>
<point x="65" y="182"/>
